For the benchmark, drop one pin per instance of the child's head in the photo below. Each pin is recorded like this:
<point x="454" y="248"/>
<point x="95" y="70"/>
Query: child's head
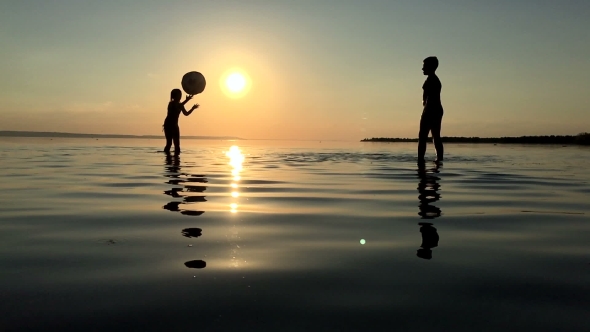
<point x="424" y="253"/>
<point x="175" y="95"/>
<point x="429" y="65"/>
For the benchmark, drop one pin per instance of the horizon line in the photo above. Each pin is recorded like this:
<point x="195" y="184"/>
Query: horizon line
<point x="27" y="133"/>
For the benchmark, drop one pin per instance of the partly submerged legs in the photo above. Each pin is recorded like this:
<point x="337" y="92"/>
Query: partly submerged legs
<point x="168" y="134"/>
<point x="436" y="126"/>
<point x="176" y="139"/>
<point x="430" y="123"/>
<point x="423" y="137"/>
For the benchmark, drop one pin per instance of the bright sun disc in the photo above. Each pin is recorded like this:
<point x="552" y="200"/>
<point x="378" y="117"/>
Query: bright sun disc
<point x="235" y="82"/>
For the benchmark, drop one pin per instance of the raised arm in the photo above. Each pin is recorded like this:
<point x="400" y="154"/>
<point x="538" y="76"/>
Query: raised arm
<point x="188" y="97"/>
<point x="187" y="113"/>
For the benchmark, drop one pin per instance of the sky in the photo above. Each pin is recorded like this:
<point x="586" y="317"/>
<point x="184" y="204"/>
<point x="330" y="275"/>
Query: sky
<point x="323" y="69"/>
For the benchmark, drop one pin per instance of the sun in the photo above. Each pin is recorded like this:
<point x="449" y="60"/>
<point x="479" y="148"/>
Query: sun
<point x="235" y="83"/>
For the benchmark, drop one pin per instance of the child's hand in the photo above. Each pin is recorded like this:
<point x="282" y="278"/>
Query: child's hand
<point x="188" y="97"/>
<point x="195" y="106"/>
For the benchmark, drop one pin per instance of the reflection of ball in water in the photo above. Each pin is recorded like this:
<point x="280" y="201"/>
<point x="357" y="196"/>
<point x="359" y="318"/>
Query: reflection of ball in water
<point x="363" y="241"/>
<point x="197" y="264"/>
<point x="193" y="82"/>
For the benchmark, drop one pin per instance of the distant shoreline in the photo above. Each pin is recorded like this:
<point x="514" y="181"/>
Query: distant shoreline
<point x="580" y="139"/>
<point x="9" y="133"/>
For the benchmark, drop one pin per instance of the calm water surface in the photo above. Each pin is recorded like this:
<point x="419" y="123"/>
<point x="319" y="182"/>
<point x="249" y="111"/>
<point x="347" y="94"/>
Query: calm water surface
<point x="109" y="235"/>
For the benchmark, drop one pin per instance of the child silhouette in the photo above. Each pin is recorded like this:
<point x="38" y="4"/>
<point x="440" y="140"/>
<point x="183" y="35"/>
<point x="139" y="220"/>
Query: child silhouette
<point x="171" y="129"/>
<point x="432" y="113"/>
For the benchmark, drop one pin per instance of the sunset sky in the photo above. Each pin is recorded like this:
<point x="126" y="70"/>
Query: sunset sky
<point x="323" y="69"/>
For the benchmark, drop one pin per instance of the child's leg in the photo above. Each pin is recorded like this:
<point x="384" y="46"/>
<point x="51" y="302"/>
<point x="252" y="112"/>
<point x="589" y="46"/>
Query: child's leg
<point x="168" y="135"/>
<point x="423" y="136"/>
<point x="176" y="139"/>
<point x="436" y="127"/>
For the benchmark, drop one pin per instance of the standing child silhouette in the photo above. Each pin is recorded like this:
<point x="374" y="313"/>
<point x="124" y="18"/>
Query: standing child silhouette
<point x="171" y="129"/>
<point x="432" y="113"/>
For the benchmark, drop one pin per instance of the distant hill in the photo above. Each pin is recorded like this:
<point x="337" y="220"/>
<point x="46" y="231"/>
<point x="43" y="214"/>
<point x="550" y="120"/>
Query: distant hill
<point x="8" y="133"/>
<point x="580" y="139"/>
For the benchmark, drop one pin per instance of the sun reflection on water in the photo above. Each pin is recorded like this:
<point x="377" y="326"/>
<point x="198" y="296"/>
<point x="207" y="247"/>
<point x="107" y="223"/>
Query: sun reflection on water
<point x="236" y="159"/>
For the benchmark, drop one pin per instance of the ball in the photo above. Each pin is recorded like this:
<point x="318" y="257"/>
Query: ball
<point x="193" y="83"/>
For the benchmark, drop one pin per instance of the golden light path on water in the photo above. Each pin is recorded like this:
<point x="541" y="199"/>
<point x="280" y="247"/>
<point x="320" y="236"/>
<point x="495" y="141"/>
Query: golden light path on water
<point x="236" y="159"/>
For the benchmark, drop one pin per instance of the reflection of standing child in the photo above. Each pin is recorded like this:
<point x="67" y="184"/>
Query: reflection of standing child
<point x="433" y="111"/>
<point x="171" y="129"/>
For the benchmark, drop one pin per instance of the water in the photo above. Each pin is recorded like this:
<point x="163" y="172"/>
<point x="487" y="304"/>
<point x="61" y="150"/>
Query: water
<point x="290" y="236"/>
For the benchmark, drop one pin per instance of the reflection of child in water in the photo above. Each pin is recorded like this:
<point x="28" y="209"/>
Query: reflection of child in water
<point x="428" y="188"/>
<point x="171" y="129"/>
<point x="429" y="240"/>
